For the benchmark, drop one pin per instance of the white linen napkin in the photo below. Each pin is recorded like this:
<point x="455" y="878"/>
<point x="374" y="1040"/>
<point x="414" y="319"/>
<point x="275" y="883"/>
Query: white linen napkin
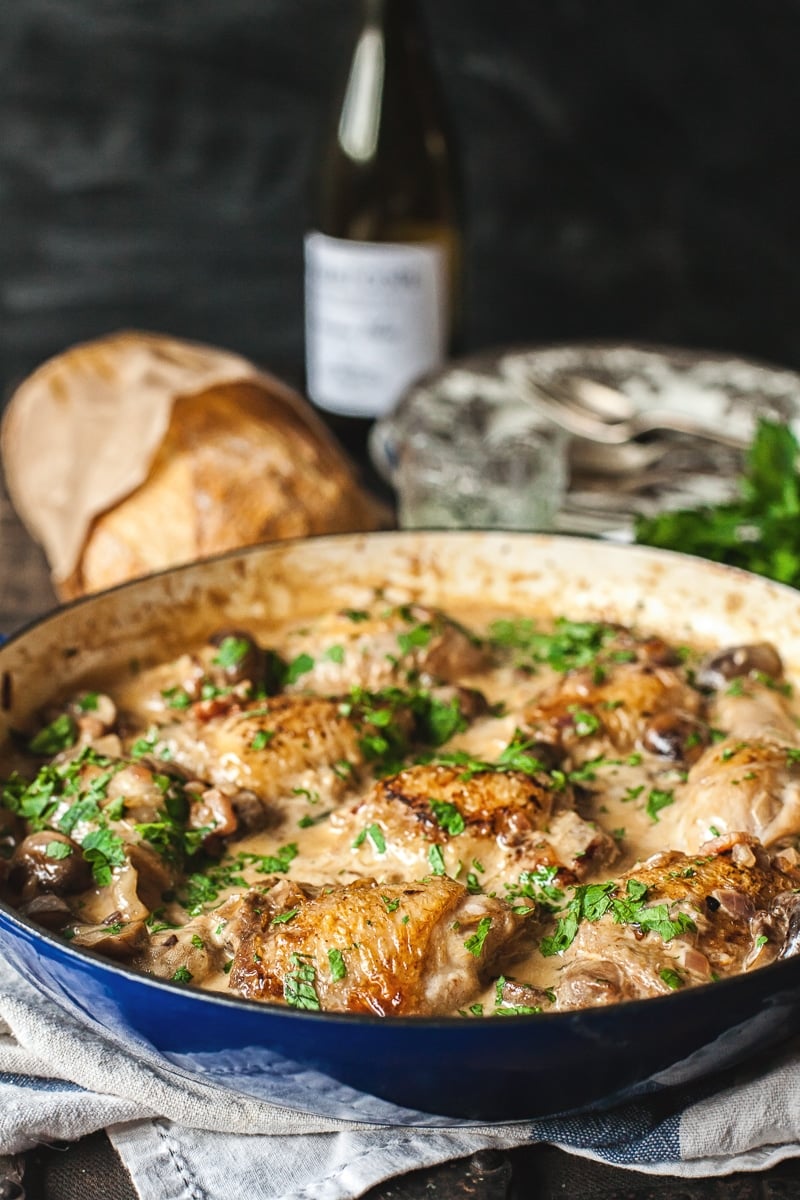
<point x="180" y="1138"/>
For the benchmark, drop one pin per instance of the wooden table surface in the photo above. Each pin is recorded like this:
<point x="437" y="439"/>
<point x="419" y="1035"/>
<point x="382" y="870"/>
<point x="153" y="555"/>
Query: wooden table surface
<point x="90" y="1169"/>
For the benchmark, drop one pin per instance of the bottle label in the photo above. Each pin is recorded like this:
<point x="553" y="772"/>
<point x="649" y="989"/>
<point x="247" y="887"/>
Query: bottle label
<point x="376" y="320"/>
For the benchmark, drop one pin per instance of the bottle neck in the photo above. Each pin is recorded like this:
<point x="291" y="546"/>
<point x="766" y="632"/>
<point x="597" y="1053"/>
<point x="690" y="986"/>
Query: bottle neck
<point x="395" y="19"/>
<point x="381" y="11"/>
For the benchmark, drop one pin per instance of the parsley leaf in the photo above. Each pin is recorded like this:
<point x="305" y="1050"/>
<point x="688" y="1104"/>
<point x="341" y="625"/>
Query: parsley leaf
<point x="474" y="944"/>
<point x="232" y="651"/>
<point x="298" y="985"/>
<point x="759" y="529"/>
<point x="337" y="965"/>
<point x="448" y="817"/>
<point x="57" y="736"/>
<point x="657" y="799"/>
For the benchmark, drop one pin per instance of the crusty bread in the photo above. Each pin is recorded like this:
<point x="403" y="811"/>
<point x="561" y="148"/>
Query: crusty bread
<point x="234" y="468"/>
<point x="240" y="461"/>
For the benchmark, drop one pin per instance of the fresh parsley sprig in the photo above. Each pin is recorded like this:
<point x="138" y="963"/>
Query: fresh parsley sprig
<point x="760" y="529"/>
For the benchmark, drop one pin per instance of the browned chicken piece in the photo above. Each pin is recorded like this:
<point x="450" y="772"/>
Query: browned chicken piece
<point x="380" y="647"/>
<point x="748" y="785"/>
<point x="679" y="920"/>
<point x="438" y="815"/>
<point x="421" y="948"/>
<point x="281" y="750"/>
<point x="631" y="706"/>
<point x="751" y="709"/>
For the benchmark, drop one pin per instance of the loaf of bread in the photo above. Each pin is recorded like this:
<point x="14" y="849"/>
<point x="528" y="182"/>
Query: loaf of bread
<point x="139" y="452"/>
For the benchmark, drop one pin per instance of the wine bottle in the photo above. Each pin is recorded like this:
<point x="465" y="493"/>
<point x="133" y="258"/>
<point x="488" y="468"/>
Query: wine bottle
<point x="383" y="260"/>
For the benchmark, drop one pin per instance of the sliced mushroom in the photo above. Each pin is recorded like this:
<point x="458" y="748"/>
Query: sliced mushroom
<point x="211" y="809"/>
<point x="676" y="736"/>
<point x="119" y="940"/>
<point x="239" y="658"/>
<point x="49" y="910"/>
<point x="758" y="658"/>
<point x="776" y="932"/>
<point x="48" y="862"/>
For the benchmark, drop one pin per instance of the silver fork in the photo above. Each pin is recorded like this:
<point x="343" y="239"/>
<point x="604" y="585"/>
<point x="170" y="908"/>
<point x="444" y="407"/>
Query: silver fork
<point x="589" y="409"/>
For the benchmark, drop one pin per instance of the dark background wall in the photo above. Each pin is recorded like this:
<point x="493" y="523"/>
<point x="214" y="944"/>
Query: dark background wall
<point x="631" y="168"/>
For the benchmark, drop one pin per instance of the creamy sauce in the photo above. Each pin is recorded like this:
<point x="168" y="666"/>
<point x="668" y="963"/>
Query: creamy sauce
<point x="316" y="816"/>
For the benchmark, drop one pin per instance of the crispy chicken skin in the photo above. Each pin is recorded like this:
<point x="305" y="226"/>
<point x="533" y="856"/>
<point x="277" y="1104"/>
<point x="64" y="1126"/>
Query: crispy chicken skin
<point x="383" y="646"/>
<point x="277" y="748"/>
<point x="632" y="706"/>
<point x="420" y="948"/>
<point x="507" y="821"/>
<point x="738" y="911"/>
<point x="753" y="786"/>
<point x="753" y="709"/>
<point x="380" y="812"/>
<point x="749" y="779"/>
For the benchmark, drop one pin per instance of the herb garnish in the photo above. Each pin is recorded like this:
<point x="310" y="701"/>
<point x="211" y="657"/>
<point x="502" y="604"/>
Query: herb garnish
<point x="232" y="651"/>
<point x="298" y="985"/>
<point x="570" y="645"/>
<point x="448" y="817"/>
<point x="657" y="799"/>
<point x="436" y="859"/>
<point x="337" y="965"/>
<point x="592" y="901"/>
<point x="474" y="944"/>
<point x="58" y="735"/>
<point x="759" y="530"/>
<point x="262" y="738"/>
<point x="375" y="835"/>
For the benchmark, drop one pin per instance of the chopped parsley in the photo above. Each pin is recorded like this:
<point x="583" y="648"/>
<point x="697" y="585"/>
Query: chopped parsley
<point x="436" y="859"/>
<point x="145" y="745"/>
<point x="517" y="756"/>
<point x="232" y="652"/>
<point x="416" y="638"/>
<point x="474" y="944"/>
<point x="592" y="901"/>
<point x="671" y="978"/>
<point x="538" y="885"/>
<point x="58" y="850"/>
<point x="657" y="799"/>
<point x="356" y="615"/>
<point x="299" y="989"/>
<point x="58" y="735"/>
<point x="570" y="644"/>
<point x="103" y="850"/>
<point x="202" y="888"/>
<point x="375" y="835"/>
<point x="262" y="739"/>
<point x="299" y="666"/>
<point x="337" y="965"/>
<point x="284" y="917"/>
<point x="586" y="723"/>
<point x="448" y="817"/>
<point x="182" y="975"/>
